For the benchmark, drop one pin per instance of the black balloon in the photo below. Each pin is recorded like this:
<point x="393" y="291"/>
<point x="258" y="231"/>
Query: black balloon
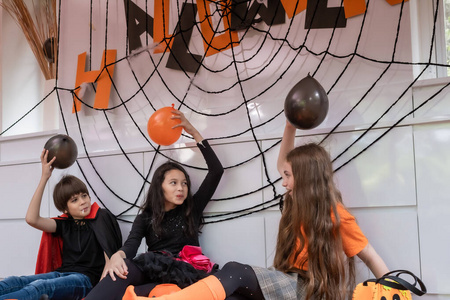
<point x="64" y="148"/>
<point x="48" y="47"/>
<point x="306" y="104"/>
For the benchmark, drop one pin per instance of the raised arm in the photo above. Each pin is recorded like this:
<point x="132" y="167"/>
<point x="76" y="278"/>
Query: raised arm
<point x="373" y="261"/>
<point x="187" y="126"/>
<point x="287" y="144"/>
<point x="33" y="217"/>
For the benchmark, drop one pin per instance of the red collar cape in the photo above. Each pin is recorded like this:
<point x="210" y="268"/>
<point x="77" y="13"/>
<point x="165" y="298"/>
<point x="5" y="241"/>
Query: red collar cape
<point x="50" y="250"/>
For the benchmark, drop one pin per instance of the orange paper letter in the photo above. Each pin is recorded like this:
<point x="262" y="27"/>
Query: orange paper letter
<point x="161" y="26"/>
<point x="293" y="8"/>
<point x="354" y="7"/>
<point x="101" y="77"/>
<point x="216" y="43"/>
<point x="358" y="7"/>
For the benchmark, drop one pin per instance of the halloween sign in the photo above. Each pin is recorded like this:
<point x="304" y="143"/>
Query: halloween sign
<point x="235" y="15"/>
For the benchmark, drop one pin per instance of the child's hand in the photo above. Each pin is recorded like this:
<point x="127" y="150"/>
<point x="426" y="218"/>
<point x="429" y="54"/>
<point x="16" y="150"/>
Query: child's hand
<point x="115" y="266"/>
<point x="47" y="167"/>
<point x="184" y="122"/>
<point x="186" y="125"/>
<point x="290" y="126"/>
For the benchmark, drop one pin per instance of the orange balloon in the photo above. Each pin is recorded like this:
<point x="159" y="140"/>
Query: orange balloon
<point x="159" y="127"/>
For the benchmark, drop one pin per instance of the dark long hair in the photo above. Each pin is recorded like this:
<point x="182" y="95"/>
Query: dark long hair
<point x="154" y="202"/>
<point x="310" y="219"/>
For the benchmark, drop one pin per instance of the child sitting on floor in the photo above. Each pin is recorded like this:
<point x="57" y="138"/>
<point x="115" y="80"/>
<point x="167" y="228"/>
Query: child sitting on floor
<point x="317" y="240"/>
<point x="87" y="235"/>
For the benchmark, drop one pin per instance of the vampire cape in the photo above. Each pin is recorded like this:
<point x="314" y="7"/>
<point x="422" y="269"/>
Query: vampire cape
<point x="106" y="230"/>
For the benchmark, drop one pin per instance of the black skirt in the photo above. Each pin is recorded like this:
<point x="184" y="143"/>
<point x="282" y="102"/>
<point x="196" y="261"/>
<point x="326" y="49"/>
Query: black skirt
<point x="164" y="268"/>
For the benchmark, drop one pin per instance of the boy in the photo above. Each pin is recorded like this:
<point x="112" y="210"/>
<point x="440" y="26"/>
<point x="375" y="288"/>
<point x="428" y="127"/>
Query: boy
<point x="89" y="236"/>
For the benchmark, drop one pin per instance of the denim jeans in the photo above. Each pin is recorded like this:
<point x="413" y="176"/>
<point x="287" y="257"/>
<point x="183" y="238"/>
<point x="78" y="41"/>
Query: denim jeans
<point x="57" y="286"/>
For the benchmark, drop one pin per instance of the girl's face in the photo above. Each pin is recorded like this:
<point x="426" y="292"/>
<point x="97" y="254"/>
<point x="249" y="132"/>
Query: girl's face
<point x="79" y="206"/>
<point x="288" y="178"/>
<point x="175" y="189"/>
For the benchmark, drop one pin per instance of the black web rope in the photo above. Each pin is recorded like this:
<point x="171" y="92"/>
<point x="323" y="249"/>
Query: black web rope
<point x="370" y="89"/>
<point x="157" y="63"/>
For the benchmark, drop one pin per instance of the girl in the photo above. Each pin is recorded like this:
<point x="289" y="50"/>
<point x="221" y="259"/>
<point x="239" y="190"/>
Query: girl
<point x="169" y="220"/>
<point x="317" y="240"/>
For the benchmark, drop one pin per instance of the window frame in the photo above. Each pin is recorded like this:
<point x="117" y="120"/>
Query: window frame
<point x="422" y="22"/>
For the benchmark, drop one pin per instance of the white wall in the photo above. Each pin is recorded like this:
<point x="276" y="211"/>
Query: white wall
<point x="23" y="85"/>
<point x="397" y="188"/>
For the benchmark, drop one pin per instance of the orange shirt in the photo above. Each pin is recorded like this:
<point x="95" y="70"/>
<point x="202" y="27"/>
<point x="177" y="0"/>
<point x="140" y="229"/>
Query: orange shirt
<point x="353" y="240"/>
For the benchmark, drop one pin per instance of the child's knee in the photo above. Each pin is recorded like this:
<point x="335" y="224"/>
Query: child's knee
<point x="39" y="287"/>
<point x="233" y="266"/>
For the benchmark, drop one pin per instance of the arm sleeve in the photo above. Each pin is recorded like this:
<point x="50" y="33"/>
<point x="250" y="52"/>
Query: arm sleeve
<point x="138" y="230"/>
<point x="353" y="239"/>
<point x="108" y="232"/>
<point x="58" y="227"/>
<point x="212" y="179"/>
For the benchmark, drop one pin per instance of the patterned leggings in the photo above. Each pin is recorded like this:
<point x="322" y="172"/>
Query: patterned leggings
<point x="239" y="281"/>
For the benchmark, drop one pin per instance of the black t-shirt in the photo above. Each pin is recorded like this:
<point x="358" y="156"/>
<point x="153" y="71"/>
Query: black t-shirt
<point x="173" y="237"/>
<point x="82" y="252"/>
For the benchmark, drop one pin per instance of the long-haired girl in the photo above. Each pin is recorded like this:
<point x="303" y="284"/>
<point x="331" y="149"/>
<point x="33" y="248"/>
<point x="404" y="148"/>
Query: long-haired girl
<point x="317" y="240"/>
<point x="169" y="220"/>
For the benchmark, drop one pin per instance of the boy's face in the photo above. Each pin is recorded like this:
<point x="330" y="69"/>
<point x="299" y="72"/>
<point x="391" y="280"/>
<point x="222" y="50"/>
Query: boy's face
<point x="79" y="206"/>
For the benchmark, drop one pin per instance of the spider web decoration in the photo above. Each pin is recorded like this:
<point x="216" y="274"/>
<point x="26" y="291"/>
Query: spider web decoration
<point x="244" y="81"/>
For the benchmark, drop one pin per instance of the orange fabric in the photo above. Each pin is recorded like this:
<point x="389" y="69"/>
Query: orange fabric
<point x="215" y="286"/>
<point x="131" y="295"/>
<point x="353" y="240"/>
<point x="208" y="288"/>
<point x="164" y="289"/>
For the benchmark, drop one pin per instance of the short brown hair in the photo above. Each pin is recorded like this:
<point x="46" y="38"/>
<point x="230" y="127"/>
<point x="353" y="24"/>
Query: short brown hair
<point x="68" y="186"/>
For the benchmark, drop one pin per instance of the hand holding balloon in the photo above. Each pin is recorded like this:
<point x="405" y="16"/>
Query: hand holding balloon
<point x="306" y="104"/>
<point x="47" y="167"/>
<point x="63" y="148"/>
<point x="188" y="127"/>
<point x="165" y="125"/>
<point x="160" y="127"/>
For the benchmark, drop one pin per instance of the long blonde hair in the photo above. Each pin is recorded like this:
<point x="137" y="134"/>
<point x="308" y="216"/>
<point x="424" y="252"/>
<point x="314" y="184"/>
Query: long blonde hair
<point x="310" y="217"/>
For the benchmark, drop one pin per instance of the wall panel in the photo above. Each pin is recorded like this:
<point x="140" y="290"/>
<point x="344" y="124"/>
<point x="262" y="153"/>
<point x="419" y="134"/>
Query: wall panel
<point x="433" y="171"/>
